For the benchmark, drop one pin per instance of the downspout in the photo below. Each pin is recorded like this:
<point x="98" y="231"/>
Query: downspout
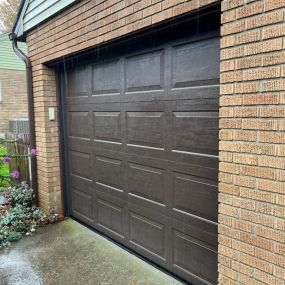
<point x="29" y="78"/>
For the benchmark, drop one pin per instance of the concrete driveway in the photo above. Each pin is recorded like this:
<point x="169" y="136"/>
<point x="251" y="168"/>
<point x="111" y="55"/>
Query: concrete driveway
<point x="69" y="253"/>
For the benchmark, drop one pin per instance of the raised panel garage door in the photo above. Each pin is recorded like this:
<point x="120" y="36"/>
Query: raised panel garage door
<point x="142" y="136"/>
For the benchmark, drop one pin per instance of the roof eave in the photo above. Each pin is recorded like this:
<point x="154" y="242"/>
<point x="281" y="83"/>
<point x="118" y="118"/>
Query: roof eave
<point x="18" y="25"/>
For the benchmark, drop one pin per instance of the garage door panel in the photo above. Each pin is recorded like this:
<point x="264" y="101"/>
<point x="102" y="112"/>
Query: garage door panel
<point x="109" y="153"/>
<point x="80" y="145"/>
<point x="145" y="106"/>
<point x="106" y="78"/>
<point x="196" y="196"/>
<point x="79" y="82"/>
<point x="201" y="230"/>
<point x="146" y="182"/>
<point x="110" y="216"/>
<point x="192" y="257"/>
<point x="107" y="189"/>
<point x="109" y="174"/>
<point x="70" y="101"/>
<point x="193" y="132"/>
<point x="146" y="161"/>
<point x="201" y="57"/>
<point x="202" y="104"/>
<point x="79" y="124"/>
<point x="108" y="145"/>
<point x="84" y="107"/>
<point x="107" y="126"/>
<point x="82" y="205"/>
<point x="147" y="234"/>
<point x="205" y="236"/>
<point x="196" y="160"/>
<point x="190" y="93"/>
<point x="145" y="129"/>
<point x="195" y="170"/>
<point x="141" y="96"/>
<point x="81" y="164"/>
<point x="83" y="184"/>
<point x="82" y="198"/>
<point x="145" y="151"/>
<point x="137" y="79"/>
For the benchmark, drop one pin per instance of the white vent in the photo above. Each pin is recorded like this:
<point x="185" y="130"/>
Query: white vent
<point x="19" y="125"/>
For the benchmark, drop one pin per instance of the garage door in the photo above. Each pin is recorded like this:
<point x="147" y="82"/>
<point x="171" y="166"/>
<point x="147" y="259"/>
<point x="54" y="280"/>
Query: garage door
<point x="142" y="144"/>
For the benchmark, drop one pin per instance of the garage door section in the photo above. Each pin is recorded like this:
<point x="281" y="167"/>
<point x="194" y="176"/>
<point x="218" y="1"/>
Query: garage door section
<point x="142" y="134"/>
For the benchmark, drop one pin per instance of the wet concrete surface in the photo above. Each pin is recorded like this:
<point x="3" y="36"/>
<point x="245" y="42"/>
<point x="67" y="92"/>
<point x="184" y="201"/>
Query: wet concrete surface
<point x="68" y="253"/>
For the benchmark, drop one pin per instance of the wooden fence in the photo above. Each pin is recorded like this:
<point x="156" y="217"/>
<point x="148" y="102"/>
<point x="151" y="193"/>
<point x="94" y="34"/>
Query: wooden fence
<point x="19" y="149"/>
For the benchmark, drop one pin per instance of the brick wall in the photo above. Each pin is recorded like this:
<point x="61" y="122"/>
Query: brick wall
<point x="252" y="167"/>
<point x="14" y="97"/>
<point x="83" y="25"/>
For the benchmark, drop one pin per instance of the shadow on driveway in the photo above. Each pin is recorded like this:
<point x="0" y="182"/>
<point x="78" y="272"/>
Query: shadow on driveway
<point x="70" y="254"/>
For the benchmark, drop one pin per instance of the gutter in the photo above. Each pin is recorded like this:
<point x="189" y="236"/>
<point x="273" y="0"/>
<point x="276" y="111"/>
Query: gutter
<point x="29" y="78"/>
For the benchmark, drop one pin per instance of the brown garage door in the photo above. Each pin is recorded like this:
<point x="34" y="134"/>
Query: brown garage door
<point x="142" y="129"/>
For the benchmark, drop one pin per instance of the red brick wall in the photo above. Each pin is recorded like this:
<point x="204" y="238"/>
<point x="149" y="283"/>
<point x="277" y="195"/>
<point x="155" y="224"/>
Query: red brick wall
<point x="252" y="167"/>
<point x="14" y="97"/>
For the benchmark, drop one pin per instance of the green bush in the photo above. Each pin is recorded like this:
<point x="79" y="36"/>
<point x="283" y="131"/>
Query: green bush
<point x="4" y="169"/>
<point x="22" y="218"/>
<point x="7" y="236"/>
<point x="22" y="195"/>
<point x="18" y="218"/>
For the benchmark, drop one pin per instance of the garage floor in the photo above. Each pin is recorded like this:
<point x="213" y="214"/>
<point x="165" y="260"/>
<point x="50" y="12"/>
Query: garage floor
<point x="69" y="253"/>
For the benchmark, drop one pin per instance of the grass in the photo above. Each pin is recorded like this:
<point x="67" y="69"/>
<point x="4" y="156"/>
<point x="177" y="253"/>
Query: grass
<point x="4" y="169"/>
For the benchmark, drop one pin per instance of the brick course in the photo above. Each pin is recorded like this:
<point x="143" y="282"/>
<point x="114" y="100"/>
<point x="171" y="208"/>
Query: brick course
<point x="14" y="97"/>
<point x="251" y="212"/>
<point x="252" y="175"/>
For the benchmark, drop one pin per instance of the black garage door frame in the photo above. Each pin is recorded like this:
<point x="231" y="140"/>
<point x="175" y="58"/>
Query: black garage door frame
<point x="172" y="28"/>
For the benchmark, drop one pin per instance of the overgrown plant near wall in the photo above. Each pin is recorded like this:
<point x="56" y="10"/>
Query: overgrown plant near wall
<point x="18" y="215"/>
<point x="21" y="216"/>
<point x="4" y="169"/>
<point x="14" y="159"/>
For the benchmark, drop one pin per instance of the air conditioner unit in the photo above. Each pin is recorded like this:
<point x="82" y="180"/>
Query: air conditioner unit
<point x="19" y="125"/>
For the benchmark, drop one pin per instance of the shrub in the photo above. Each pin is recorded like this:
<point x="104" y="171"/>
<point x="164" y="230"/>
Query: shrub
<point x="7" y="236"/>
<point x="18" y="218"/>
<point x="22" y="218"/>
<point x="22" y="195"/>
<point x="4" y="168"/>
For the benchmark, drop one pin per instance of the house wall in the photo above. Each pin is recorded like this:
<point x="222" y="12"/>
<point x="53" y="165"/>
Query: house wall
<point x="8" y="59"/>
<point x="13" y="98"/>
<point x="252" y="169"/>
<point x="252" y="150"/>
